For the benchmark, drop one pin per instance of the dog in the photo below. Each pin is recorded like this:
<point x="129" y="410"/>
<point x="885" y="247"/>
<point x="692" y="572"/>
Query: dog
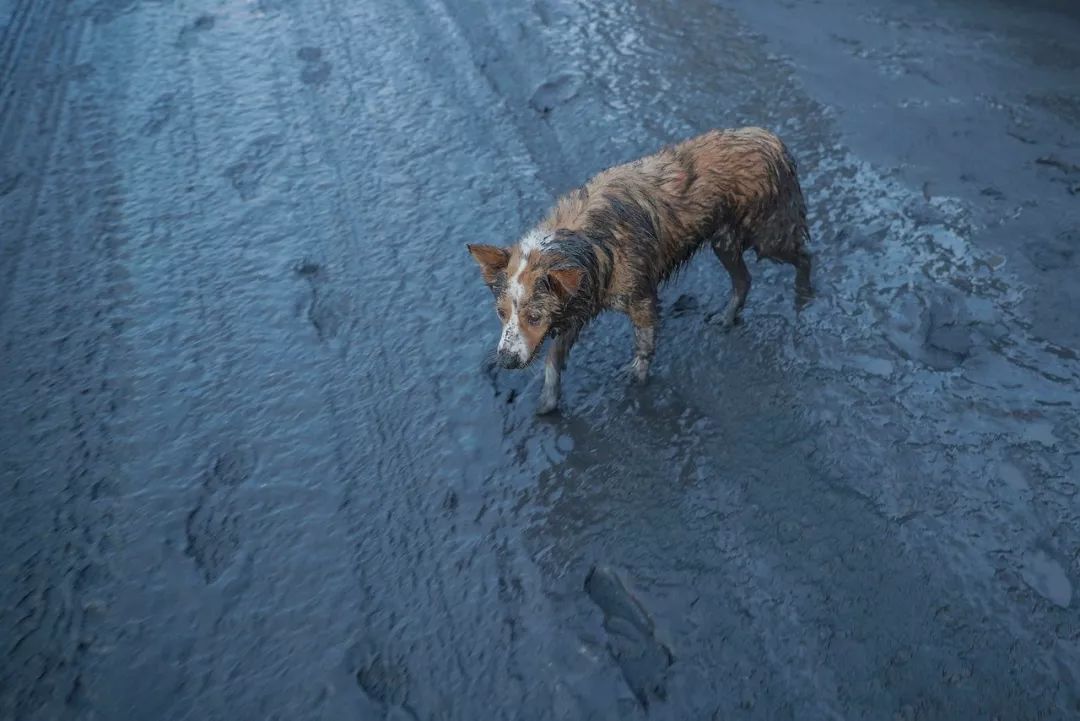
<point x="610" y="244"/>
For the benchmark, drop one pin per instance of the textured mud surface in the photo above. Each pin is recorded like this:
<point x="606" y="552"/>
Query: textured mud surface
<point x="253" y="467"/>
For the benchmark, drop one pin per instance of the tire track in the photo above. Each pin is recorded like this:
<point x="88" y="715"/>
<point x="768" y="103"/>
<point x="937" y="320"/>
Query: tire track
<point x="243" y="554"/>
<point x="15" y="35"/>
<point x="66" y="381"/>
<point x="422" y="534"/>
<point x="383" y="682"/>
<point x="187" y="291"/>
<point x="39" y="38"/>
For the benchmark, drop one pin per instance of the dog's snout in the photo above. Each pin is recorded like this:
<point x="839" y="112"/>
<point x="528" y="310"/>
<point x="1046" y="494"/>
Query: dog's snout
<point x="508" y="359"/>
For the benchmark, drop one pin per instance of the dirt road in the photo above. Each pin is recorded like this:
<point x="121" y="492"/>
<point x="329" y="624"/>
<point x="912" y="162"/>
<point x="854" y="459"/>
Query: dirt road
<point x="254" y="466"/>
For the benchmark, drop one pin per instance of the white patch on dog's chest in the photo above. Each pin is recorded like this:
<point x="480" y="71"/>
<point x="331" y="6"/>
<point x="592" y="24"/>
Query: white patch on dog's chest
<point x="512" y="339"/>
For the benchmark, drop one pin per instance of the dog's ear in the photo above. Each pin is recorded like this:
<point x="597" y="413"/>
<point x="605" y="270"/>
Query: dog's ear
<point x="566" y="281"/>
<point x="492" y="260"/>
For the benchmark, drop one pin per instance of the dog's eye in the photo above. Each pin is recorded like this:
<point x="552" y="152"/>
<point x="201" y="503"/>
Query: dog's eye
<point x="501" y="313"/>
<point x="533" y="318"/>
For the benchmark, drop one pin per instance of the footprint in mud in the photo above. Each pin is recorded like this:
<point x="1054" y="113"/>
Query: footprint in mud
<point x="384" y="680"/>
<point x="1046" y="576"/>
<point x="1049" y="253"/>
<point x="549" y="13"/>
<point x="327" y="314"/>
<point x="948" y="340"/>
<point x="103" y="488"/>
<point x="213" y="536"/>
<point x="315" y="71"/>
<point x="248" y="173"/>
<point x="230" y="467"/>
<point x="684" y="305"/>
<point x="642" y="657"/>
<point x="159" y="114"/>
<point x="557" y="91"/>
<point x="327" y="310"/>
<point x="189" y="33"/>
<point x="307" y="268"/>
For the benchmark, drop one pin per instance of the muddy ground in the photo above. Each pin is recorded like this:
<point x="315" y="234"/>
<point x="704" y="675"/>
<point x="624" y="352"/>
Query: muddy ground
<point x="254" y="466"/>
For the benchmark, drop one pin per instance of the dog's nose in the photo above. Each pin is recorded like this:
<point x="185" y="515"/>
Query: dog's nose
<point x="508" y="359"/>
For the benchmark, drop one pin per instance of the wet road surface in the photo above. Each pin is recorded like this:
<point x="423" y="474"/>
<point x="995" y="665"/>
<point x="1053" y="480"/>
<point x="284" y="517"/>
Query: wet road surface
<point x="254" y="466"/>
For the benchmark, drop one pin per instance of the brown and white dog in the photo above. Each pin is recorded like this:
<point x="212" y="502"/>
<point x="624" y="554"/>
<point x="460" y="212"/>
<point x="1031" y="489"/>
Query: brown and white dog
<point x="611" y="243"/>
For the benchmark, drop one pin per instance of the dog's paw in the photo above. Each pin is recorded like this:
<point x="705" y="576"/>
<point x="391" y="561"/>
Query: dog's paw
<point x="724" y="321"/>
<point x="803" y="298"/>
<point x="638" y="371"/>
<point x="548" y="404"/>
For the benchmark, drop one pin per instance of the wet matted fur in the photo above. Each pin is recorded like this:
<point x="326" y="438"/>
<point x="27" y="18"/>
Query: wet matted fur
<point x="611" y="243"/>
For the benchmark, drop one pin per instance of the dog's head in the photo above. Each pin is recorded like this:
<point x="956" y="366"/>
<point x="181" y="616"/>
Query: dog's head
<point x="531" y="283"/>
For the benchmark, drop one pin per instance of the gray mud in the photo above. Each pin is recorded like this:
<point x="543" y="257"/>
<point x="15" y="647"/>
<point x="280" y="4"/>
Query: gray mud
<point x="253" y="467"/>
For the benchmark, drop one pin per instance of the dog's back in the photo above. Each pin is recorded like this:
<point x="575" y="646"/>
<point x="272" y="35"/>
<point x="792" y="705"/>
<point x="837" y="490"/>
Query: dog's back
<point x="737" y="188"/>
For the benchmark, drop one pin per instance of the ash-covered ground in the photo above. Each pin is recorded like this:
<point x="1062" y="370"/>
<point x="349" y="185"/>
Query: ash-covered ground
<point x="254" y="467"/>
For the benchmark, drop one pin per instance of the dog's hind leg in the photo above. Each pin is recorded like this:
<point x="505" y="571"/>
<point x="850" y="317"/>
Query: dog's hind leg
<point x="798" y="256"/>
<point x="729" y="251"/>
<point x="804" y="290"/>
<point x="645" y="315"/>
<point x="556" y="362"/>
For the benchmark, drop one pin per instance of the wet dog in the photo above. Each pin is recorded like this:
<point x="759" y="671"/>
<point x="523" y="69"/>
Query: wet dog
<point x="611" y="243"/>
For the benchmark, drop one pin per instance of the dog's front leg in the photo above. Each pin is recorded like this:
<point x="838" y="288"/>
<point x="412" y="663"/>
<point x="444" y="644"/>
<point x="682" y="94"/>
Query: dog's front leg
<point x="556" y="361"/>
<point x="645" y="315"/>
